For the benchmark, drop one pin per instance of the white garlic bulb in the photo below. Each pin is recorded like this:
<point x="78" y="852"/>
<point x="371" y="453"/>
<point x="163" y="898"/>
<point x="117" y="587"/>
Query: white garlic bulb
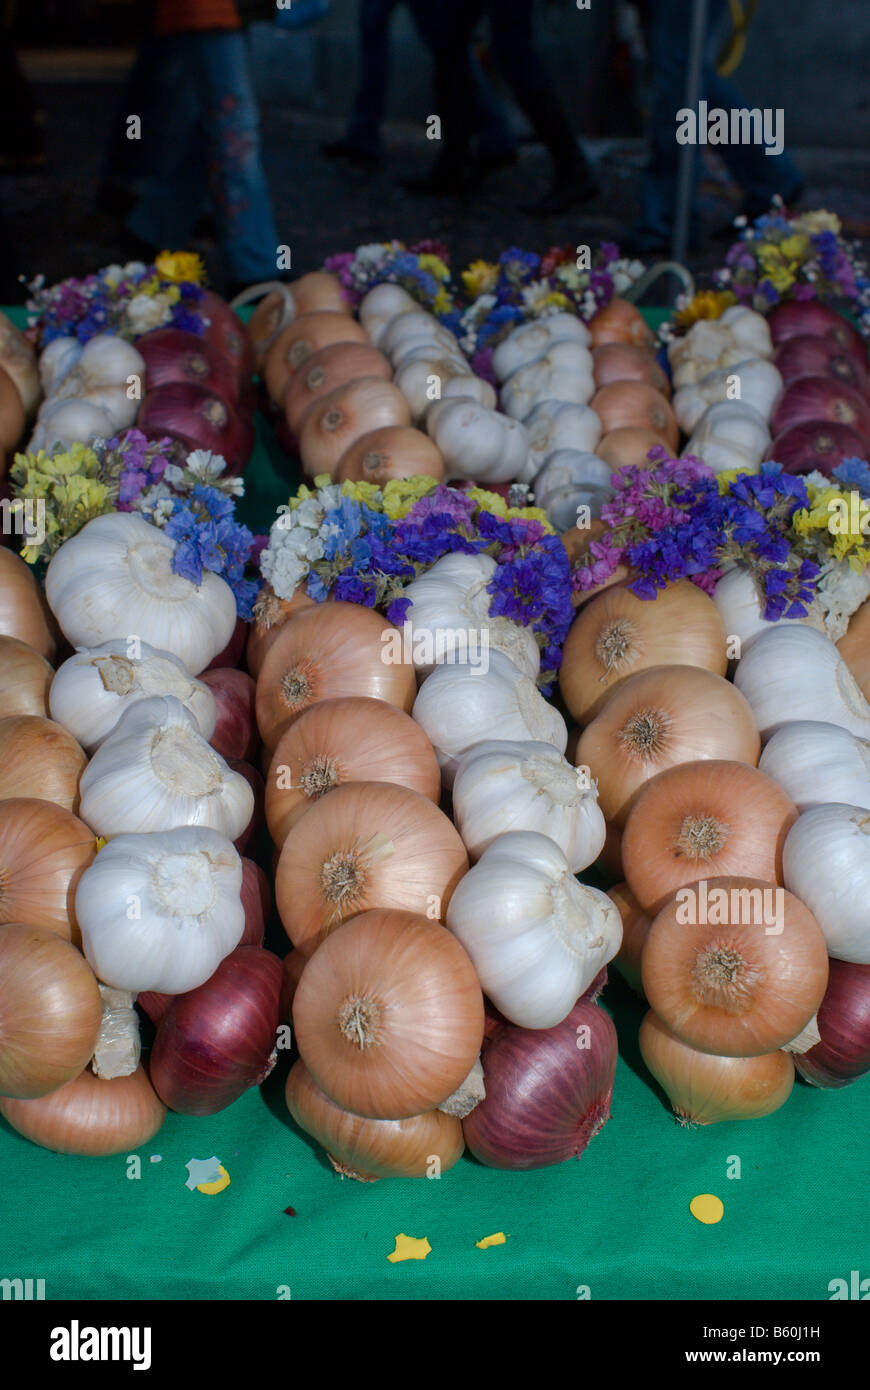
<point x="563" y="373"/>
<point x="826" y="863"/>
<point x="555" y="425"/>
<point x="449" y="616"/>
<point x="794" y="673"/>
<point x="531" y="340"/>
<point x="815" y="763"/>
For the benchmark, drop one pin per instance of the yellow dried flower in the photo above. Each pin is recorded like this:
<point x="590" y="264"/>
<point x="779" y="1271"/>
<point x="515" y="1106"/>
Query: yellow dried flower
<point x="706" y="304"/>
<point x="181" y="265"/>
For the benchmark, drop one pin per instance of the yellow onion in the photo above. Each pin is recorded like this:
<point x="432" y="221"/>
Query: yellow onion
<point x="854" y="647"/>
<point x="397" y="451"/>
<point x="628" y="446"/>
<point x="23" y="611"/>
<point x="50" y="1011"/>
<point x="270" y="615"/>
<point x="628" y="362"/>
<point x="704" y="1089"/>
<point x="635" y="405"/>
<point x="25" y="677"/>
<point x="620" y="322"/>
<point x="12" y="417"/>
<point x="90" y="1116"/>
<point x="44" y="850"/>
<point x="39" y="758"/>
<point x="338" y="420"/>
<point x="302" y="337"/>
<point x="317" y="291"/>
<point x="325" y="371"/>
<point x="635" y="927"/>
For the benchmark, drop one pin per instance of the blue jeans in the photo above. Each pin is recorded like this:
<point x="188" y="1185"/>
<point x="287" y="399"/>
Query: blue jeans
<point x="760" y="176"/>
<point x="209" y="152"/>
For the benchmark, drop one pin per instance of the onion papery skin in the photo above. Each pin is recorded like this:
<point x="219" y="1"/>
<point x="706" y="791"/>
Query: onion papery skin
<point x="657" y="719"/>
<point x="38" y="758"/>
<point x="173" y="355"/>
<point x="704" y="1089"/>
<point x="791" y="317"/>
<point x="545" y="1096"/>
<point x="629" y="446"/>
<point x="325" y="371"/>
<point x="230" y="658"/>
<point x="635" y="405"/>
<point x="317" y="291"/>
<point x="628" y="362"/>
<point x="50" y="1011"/>
<point x="255" y="781"/>
<point x="843" y="1022"/>
<point x="635" y="927"/>
<point x="199" y="419"/>
<point x="270" y="615"/>
<point x="12" y="417"/>
<point x="371" y="1149"/>
<point x="854" y="647"/>
<point x="215" y="1041"/>
<point x="351" y="740"/>
<point x="396" y="451"/>
<point x="735" y="987"/>
<point x="816" y="445"/>
<point x="806" y="354"/>
<point x="366" y="845"/>
<point x="44" y="850"/>
<point x="818" y="399"/>
<point x="704" y="820"/>
<point x="303" y="337"/>
<point x="23" y="611"/>
<point x="90" y="1116"/>
<point x="235" y="734"/>
<point x="620" y="322"/>
<point x="25" y="677"/>
<point x="257" y="902"/>
<point x="328" y="652"/>
<point x="389" y="1015"/>
<point x="227" y="334"/>
<point x="338" y="420"/>
<point x="616" y="635"/>
<point x="274" y="311"/>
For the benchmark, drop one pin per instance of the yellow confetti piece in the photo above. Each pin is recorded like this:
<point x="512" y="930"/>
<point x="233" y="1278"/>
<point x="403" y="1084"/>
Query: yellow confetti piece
<point x="707" y="1209"/>
<point x="409" y="1248"/>
<point x="211" y="1188"/>
<point x="498" y="1239"/>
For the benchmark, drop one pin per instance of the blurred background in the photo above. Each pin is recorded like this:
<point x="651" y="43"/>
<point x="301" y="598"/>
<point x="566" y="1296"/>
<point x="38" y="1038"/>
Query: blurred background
<point x="68" y="176"/>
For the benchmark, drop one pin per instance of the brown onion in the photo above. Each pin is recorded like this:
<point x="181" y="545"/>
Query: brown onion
<point x="301" y="339"/>
<point x="50" y="1011"/>
<point x="843" y="1021"/>
<point x="18" y="359"/>
<point x="200" y="419"/>
<point x="274" y="311"/>
<point x="627" y="362"/>
<point x="235" y="734"/>
<point x="620" y="322"/>
<point x="808" y="355"/>
<point x="338" y="420"/>
<point x="317" y="291"/>
<point x="172" y="355"/>
<point x="792" y="316"/>
<point x="23" y="611"/>
<point x="397" y="451"/>
<point x="90" y="1116"/>
<point x="820" y="400"/>
<point x="25" y="677"/>
<point x="325" y="371"/>
<point x="635" y="926"/>
<point x="635" y="405"/>
<point x="44" y="850"/>
<point x="854" y="647"/>
<point x="628" y="447"/>
<point x="270" y="615"/>
<point x="39" y="758"/>
<point x="226" y="332"/>
<point x="12" y="417"/>
<point x="704" y="1089"/>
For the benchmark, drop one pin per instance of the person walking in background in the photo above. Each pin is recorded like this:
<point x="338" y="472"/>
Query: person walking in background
<point x="760" y="176"/>
<point x="208" y="150"/>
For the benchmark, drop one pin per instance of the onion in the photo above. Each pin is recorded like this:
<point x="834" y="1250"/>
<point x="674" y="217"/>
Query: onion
<point x="397" y="451"/>
<point x="627" y="362"/>
<point x="258" y="787"/>
<point x="325" y="371"/>
<point x="389" y="1015"/>
<point x="294" y="964"/>
<point x="635" y="405"/>
<point x="25" y="677"/>
<point x="12" y="418"/>
<point x="50" y="1011"/>
<point x="704" y="1089"/>
<point x="338" y="420"/>
<point x="257" y="902"/>
<point x="200" y="419"/>
<point x="18" y="360"/>
<point x="548" y="1091"/>
<point x="703" y="819"/>
<point x="43" y="852"/>
<point x="231" y="655"/>
<point x="274" y="312"/>
<point x="215" y="1041"/>
<point x="172" y="355"/>
<point x="339" y="741"/>
<point x="23" y="611"/>
<point x="318" y="290"/>
<point x="854" y="647"/>
<point x="620" y="322"/>
<point x="371" y="1149"/>
<point x="235" y="734"/>
<point x="816" y="445"/>
<point x="154" y="1003"/>
<point x="739" y="980"/>
<point x="366" y="845"/>
<point x="628" y="447"/>
<point x="301" y="339"/>
<point x="39" y="758"/>
<point x="227" y="334"/>
<point x="820" y="400"/>
<point x="90" y="1116"/>
<point x="843" y="1022"/>
<point x="808" y="355"/>
<point x="270" y="615"/>
<point x="635" y="926"/>
<point x="329" y="651"/>
<point x="793" y="317"/>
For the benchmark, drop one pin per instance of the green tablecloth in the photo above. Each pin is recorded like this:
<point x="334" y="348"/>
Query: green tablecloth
<point x="794" y="1187"/>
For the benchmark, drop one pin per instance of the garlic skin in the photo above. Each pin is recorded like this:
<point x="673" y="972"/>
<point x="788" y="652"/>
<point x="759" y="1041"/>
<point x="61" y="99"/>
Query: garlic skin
<point x="502" y="787"/>
<point x="418" y="327"/>
<point x="476" y="442"/>
<point x="380" y="306"/>
<point x="114" y="579"/>
<point x="155" y="771"/>
<point x="568" y="468"/>
<point x="161" y="911"/>
<point x="759" y="383"/>
<point x="826" y="863"/>
<point x="93" y="688"/>
<point x="414" y="378"/>
<point x="67" y="423"/>
<point x="558" y="425"/>
<point x="461" y="704"/>
<point x="738" y="334"/>
<point x="450" y="608"/>
<point x="730" y="434"/>
<point x="795" y="673"/>
<point x="118" y="1048"/>
<point x="536" y="936"/>
<point x="817" y="763"/>
<point x="529" y="341"/>
<point x="563" y="373"/>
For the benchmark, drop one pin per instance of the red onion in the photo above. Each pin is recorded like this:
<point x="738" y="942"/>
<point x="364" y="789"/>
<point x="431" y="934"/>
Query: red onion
<point x="216" y="1041"/>
<point x="154" y="1004"/>
<point x="793" y="316"/>
<point x="816" y="444"/>
<point x="545" y="1096"/>
<point x="257" y="902"/>
<point x="844" y="1028"/>
<point x="818" y="399"/>
<point x="227" y="333"/>
<point x="231" y="656"/>
<point x="294" y="964"/>
<point x="235" y="734"/>
<point x="809" y="355"/>
<point x="200" y="420"/>
<point x="258" y="786"/>
<point x="173" y="355"/>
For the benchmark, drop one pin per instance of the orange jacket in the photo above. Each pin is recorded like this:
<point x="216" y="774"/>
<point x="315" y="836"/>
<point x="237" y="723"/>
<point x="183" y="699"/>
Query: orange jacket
<point x="186" y="16"/>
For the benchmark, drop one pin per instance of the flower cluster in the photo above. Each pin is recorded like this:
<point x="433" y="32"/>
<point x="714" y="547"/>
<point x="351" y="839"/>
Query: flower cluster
<point x="65" y="489"/>
<point x="422" y="269"/>
<point x="125" y="300"/>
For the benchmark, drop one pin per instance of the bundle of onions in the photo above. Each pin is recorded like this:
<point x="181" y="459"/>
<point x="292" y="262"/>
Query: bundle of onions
<point x="43" y="852"/>
<point x="338" y="741"/>
<point x="816" y="445"/>
<point x="215" y="1041"/>
<point x="548" y="1090"/>
<point x="806" y="354"/>
<point x="171" y="355"/>
<point x="325" y="371"/>
<point x="12" y="417"/>
<point x="332" y="650"/>
<point x="704" y="1089"/>
<point x="25" y="677"/>
<point x="791" y="317"/>
<point x="301" y="339"/>
<point x="389" y="1015"/>
<point x="628" y="362"/>
<point x="735" y="967"/>
<point x="822" y="401"/>
<point x="39" y="758"/>
<point x="338" y="420"/>
<point x="199" y="419"/>
<point x="854" y="647"/>
<point x="620" y="322"/>
<point x="227" y="334"/>
<point x="616" y="635"/>
<point x="270" y="615"/>
<point x="635" y="926"/>
<point x="317" y="291"/>
<point x="635" y="405"/>
<point x="397" y="451"/>
<point x="23" y="611"/>
<point x="371" y="1149"/>
<point x="660" y="718"/>
<point x="366" y="845"/>
<point x="90" y="1116"/>
<point x="843" y="1021"/>
<point x="628" y="446"/>
<point x="50" y="1009"/>
<point x="702" y="820"/>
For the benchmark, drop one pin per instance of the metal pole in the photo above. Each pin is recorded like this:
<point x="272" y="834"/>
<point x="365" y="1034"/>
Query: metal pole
<point x="683" y="209"/>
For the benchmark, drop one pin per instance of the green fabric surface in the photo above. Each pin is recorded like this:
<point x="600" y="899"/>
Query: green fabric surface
<point x="617" y="1220"/>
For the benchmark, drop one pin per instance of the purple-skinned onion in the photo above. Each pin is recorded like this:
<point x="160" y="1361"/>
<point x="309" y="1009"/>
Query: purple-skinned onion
<point x="843" y="1021"/>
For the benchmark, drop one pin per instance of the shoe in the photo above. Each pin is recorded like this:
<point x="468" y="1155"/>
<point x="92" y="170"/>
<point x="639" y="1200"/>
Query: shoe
<point x="564" y="195"/>
<point x="354" y="154"/>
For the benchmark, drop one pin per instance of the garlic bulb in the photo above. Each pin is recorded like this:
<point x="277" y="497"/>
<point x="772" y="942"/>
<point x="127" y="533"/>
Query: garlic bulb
<point x="380" y="306"/>
<point x="530" y="341"/>
<point x="564" y="373"/>
<point x="69" y="422"/>
<point x="114" y="579"/>
<point x="757" y="381"/>
<point x="449" y="616"/>
<point x="730" y="434"/>
<point x="476" y="442"/>
<point x="55" y="360"/>
<point x="155" y="771"/>
<point x="95" y="687"/>
<point x="794" y="673"/>
<point x="738" y="334"/>
<point x="536" y="936"/>
<point x="161" y="911"/>
<point x="737" y="598"/>
<point x="423" y="372"/>
<point x="503" y="786"/>
<point x="569" y="468"/>
<point x="102" y="375"/>
<point x="463" y="704"/>
<point x="826" y="863"/>
<point x="416" y="326"/>
<point x="817" y="763"/>
<point x="556" y="425"/>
